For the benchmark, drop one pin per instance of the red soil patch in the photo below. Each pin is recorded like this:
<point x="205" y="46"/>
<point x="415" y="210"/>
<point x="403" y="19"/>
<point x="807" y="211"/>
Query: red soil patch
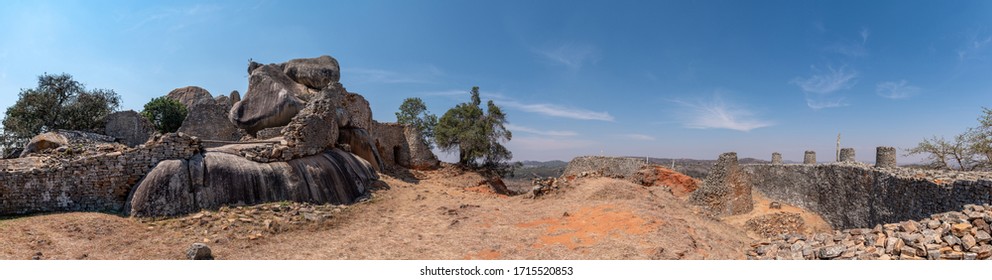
<point x="680" y="184"/>
<point x="589" y="226"/>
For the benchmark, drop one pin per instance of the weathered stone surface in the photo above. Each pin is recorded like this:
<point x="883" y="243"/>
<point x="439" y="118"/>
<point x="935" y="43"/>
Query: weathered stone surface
<point x="335" y="177"/>
<point x="401" y="145"/>
<point x="209" y="121"/>
<point x="59" y="138"/>
<point x="847" y="155"/>
<point x="165" y="191"/>
<point x="830" y="252"/>
<point x="725" y="190"/>
<point x="313" y="72"/>
<point x="359" y="114"/>
<point x="190" y="96"/>
<point x="129" y="128"/>
<point x="315" y="128"/>
<point x="360" y="143"/>
<point x="272" y="100"/>
<point x="809" y="157"/>
<point x="199" y="251"/>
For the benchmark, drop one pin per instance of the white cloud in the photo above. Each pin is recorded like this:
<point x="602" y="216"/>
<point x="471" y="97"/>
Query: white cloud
<point x="864" y="35"/>
<point x="827" y="82"/>
<point x="517" y="128"/>
<point x="717" y="114"/>
<point x="896" y="90"/>
<point x="638" y="137"/>
<point x="555" y="110"/>
<point x="820" y="88"/>
<point x="573" y="56"/>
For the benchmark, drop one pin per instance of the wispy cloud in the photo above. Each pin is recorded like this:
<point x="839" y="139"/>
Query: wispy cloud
<point x="864" y="35"/>
<point x="638" y="137"/>
<point x="558" y="133"/>
<point x="717" y="114"/>
<point x="428" y="74"/>
<point x="821" y="86"/>
<point x="571" y="55"/>
<point x="975" y="48"/>
<point x="555" y="110"/>
<point x="896" y="90"/>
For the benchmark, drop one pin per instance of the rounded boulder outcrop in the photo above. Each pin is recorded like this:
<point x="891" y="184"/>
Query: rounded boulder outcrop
<point x="314" y="73"/>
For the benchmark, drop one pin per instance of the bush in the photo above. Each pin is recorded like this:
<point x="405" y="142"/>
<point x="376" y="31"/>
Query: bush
<point x="165" y="113"/>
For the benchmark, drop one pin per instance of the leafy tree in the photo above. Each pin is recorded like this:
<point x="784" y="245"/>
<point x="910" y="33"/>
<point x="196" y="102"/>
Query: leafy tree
<point x="59" y="102"/>
<point x="476" y="135"/>
<point x="165" y="113"/>
<point x="414" y="112"/>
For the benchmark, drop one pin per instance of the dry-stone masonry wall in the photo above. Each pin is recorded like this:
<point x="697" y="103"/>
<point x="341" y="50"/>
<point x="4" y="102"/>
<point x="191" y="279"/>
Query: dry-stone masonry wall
<point x="852" y="195"/>
<point x="89" y="183"/>
<point x="725" y="192"/>
<point x="776" y="158"/>
<point x="885" y="157"/>
<point x="847" y="155"/>
<point x="401" y="145"/>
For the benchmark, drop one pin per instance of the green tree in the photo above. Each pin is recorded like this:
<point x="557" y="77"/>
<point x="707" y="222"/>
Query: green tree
<point x="414" y="112"/>
<point x="165" y="113"/>
<point x="59" y="102"/>
<point x="476" y="135"/>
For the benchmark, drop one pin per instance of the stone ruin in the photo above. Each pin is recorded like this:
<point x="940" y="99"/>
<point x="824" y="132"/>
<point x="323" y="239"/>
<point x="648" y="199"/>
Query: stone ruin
<point x="297" y="134"/>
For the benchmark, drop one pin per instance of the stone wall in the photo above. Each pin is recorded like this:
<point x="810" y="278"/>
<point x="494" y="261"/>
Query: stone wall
<point x="616" y="167"/>
<point x="853" y="195"/>
<point x="89" y="183"/>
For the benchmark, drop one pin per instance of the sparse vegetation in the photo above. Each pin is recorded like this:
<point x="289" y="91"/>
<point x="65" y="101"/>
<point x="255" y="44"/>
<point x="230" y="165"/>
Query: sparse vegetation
<point x="165" y="113"/>
<point x="477" y="136"/>
<point x="970" y="150"/>
<point x="414" y="112"/>
<point x="59" y="102"/>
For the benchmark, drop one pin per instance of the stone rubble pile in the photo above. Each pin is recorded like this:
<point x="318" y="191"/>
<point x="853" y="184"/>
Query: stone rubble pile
<point x="945" y="236"/>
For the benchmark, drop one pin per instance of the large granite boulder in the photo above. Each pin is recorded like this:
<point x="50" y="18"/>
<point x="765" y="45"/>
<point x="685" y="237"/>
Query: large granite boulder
<point x="214" y="179"/>
<point x="272" y="100"/>
<point x="129" y="128"/>
<point x="190" y="96"/>
<point x="360" y="143"/>
<point x="314" y="73"/>
<point x="209" y="121"/>
<point x="359" y="114"/>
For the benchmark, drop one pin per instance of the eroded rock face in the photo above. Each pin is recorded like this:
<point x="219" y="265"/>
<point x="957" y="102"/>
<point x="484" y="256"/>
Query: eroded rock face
<point x="272" y="100"/>
<point x="190" y="96"/>
<point x="209" y="121"/>
<point x="360" y="143"/>
<point x="214" y="179"/>
<point x="129" y="128"/>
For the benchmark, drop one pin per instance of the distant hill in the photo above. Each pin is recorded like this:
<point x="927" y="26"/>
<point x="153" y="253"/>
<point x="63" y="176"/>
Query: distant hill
<point x="539" y="169"/>
<point x="696" y="168"/>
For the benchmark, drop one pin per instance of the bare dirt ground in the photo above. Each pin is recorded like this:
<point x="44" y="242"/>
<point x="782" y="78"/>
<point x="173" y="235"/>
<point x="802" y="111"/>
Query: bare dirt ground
<point x="442" y="214"/>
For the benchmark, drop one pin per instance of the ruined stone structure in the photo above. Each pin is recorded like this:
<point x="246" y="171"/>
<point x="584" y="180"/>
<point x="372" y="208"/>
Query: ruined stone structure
<point x="615" y="167"/>
<point x="776" y="158"/>
<point x="809" y="157"/>
<point x="87" y="183"/>
<point x="885" y="157"/>
<point x="725" y="191"/>
<point x="323" y="148"/>
<point x="401" y="145"/>
<point x="847" y="155"/>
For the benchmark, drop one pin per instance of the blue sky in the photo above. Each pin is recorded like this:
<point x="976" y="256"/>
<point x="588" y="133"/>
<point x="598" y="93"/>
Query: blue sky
<point x="679" y="79"/>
